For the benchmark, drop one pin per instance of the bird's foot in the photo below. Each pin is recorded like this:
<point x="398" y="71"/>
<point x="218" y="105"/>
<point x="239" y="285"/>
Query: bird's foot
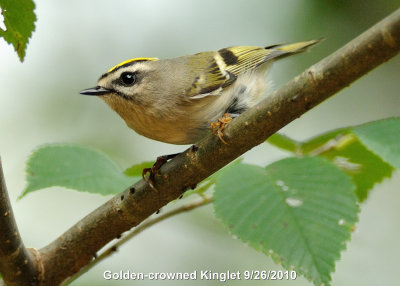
<point x="161" y="160"/>
<point x="218" y="127"/>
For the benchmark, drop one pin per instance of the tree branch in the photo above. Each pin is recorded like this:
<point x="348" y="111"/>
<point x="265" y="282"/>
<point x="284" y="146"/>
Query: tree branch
<point x="17" y="264"/>
<point x="76" y="247"/>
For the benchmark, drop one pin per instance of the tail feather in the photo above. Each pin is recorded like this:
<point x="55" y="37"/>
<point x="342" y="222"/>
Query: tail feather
<point x="284" y="50"/>
<point x="241" y="59"/>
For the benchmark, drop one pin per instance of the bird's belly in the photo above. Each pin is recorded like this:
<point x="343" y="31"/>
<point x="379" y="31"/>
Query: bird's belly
<point x="182" y="130"/>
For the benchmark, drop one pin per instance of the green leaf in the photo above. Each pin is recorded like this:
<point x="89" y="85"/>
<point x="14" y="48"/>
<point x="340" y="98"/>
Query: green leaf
<point x="284" y="142"/>
<point x="137" y="169"/>
<point x="345" y="150"/>
<point x="300" y="211"/>
<point x="74" y="167"/>
<point x="19" y="20"/>
<point x="383" y="138"/>
<point x="368" y="161"/>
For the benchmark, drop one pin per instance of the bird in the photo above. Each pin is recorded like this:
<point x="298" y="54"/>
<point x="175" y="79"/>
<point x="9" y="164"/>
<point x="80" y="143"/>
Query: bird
<point x="175" y="100"/>
<point x="179" y="100"/>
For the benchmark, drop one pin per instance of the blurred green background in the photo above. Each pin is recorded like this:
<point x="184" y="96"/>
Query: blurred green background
<point x="76" y="41"/>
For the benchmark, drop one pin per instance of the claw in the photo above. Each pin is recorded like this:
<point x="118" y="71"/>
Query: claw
<point x="219" y="126"/>
<point x="161" y="160"/>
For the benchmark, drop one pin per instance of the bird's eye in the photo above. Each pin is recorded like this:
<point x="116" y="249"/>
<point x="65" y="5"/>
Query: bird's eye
<point x="128" y="78"/>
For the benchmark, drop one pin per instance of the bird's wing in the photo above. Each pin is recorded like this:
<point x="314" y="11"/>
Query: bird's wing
<point x="227" y="64"/>
<point x="223" y="68"/>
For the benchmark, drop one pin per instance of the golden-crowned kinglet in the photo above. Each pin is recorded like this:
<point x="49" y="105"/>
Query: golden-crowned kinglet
<point x="175" y="100"/>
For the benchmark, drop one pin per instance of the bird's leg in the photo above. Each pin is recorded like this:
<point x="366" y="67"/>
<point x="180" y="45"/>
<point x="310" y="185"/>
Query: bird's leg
<point x="161" y="160"/>
<point x="219" y="126"/>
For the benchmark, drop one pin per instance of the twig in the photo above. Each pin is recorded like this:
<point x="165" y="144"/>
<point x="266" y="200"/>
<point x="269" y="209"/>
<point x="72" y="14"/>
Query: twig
<point x="17" y="264"/>
<point x="145" y="225"/>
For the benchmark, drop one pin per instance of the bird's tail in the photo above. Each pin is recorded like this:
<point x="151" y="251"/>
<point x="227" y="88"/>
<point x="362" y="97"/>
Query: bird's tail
<point x="284" y="50"/>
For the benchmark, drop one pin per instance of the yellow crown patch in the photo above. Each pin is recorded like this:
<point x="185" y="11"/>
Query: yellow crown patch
<point x="131" y="60"/>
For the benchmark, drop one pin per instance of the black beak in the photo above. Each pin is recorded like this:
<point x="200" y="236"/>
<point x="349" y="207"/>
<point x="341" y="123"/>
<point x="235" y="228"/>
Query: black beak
<point x="97" y="90"/>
